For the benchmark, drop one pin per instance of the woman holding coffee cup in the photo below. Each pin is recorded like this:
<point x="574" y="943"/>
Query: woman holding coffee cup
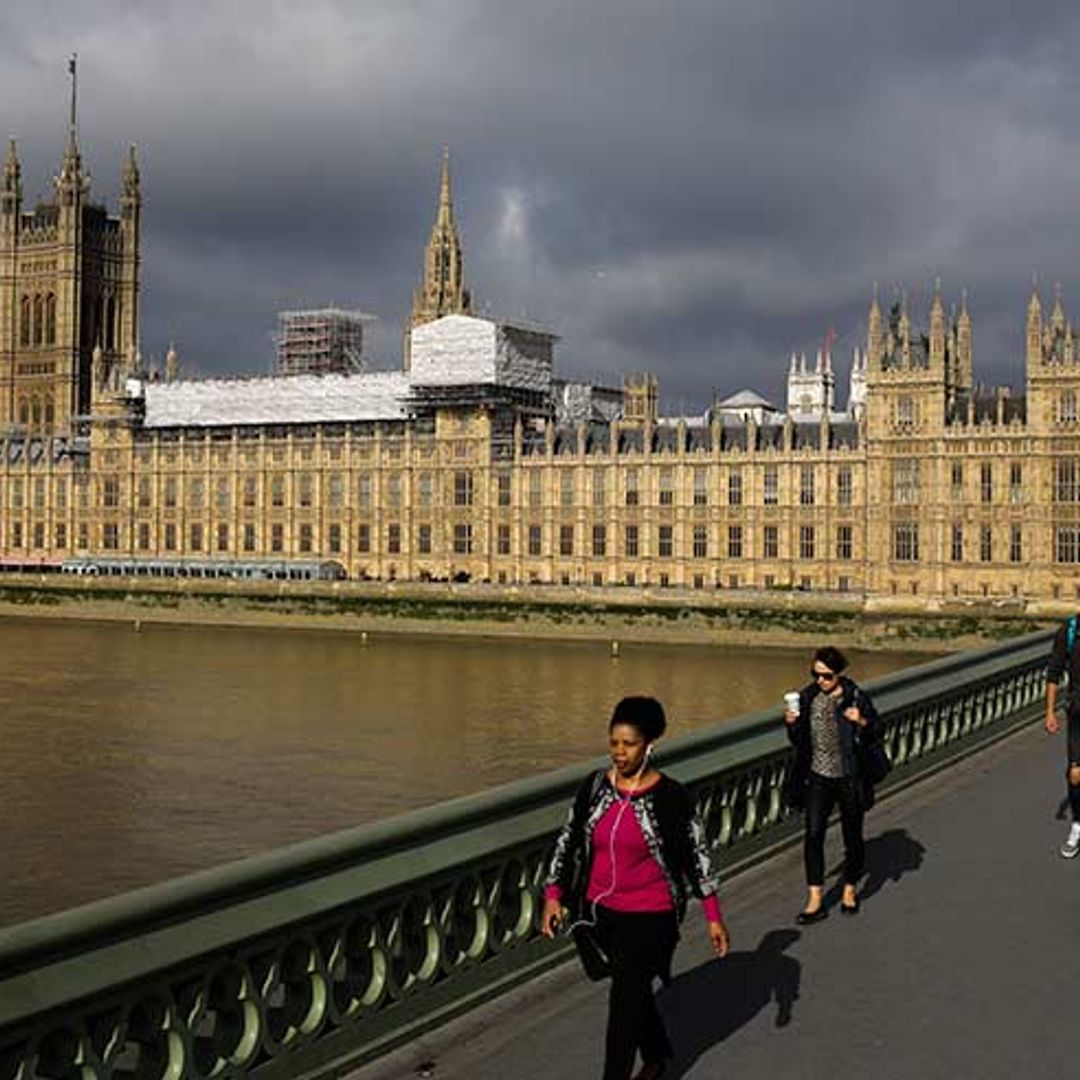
<point x="830" y="722"/>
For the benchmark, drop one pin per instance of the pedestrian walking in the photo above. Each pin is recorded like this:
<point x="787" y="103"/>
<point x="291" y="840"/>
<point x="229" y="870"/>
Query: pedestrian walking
<point x="1063" y="660"/>
<point x="839" y="756"/>
<point x="631" y="850"/>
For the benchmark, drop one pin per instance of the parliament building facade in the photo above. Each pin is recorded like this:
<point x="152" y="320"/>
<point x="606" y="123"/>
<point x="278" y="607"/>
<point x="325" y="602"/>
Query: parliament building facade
<point x="474" y="462"/>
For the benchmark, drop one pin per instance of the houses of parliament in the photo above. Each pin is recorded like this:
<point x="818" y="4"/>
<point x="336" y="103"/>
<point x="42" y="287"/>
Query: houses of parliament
<point x="475" y="462"/>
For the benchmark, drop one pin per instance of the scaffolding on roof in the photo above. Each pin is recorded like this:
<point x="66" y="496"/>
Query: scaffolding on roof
<point x="324" y="341"/>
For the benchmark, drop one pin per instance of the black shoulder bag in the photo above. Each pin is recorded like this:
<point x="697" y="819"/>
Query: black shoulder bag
<point x="594" y="957"/>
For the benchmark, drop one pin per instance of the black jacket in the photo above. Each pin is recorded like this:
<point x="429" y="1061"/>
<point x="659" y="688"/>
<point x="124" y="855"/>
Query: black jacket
<point x="665" y="814"/>
<point x="852" y="740"/>
<point x="1065" y="660"/>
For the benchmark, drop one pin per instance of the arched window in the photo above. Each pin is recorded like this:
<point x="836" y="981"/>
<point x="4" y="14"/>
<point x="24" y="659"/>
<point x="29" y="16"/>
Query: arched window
<point x="50" y="319"/>
<point x="35" y="411"/>
<point x="24" y="412"/>
<point x="50" y="412"/>
<point x="39" y="318"/>
<point x="24" y="321"/>
<point x="1068" y="406"/>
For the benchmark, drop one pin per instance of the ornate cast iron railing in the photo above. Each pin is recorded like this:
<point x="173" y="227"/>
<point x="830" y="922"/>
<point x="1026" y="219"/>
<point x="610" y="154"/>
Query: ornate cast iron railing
<point x="314" y="958"/>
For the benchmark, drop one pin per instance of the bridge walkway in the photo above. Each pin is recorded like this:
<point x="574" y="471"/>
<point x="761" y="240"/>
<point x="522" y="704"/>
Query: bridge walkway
<point x="964" y="961"/>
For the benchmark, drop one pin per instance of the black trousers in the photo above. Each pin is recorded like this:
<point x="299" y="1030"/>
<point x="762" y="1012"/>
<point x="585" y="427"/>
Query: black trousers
<point x="640" y="945"/>
<point x="822" y="794"/>
<point x="1072" y="734"/>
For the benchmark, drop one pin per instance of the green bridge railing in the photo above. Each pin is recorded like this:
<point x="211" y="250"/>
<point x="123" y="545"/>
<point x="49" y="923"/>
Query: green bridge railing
<point x="310" y="960"/>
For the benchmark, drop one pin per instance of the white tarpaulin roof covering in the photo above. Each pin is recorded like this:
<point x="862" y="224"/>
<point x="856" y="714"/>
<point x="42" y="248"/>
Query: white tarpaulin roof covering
<point x="460" y="350"/>
<point x="456" y="350"/>
<point x="291" y="399"/>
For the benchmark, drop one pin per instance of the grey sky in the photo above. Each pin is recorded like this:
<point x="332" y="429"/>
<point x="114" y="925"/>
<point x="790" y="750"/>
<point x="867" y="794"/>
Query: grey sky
<point x="692" y="188"/>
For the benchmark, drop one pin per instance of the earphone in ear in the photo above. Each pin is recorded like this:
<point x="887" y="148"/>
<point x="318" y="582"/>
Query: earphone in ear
<point x="648" y="751"/>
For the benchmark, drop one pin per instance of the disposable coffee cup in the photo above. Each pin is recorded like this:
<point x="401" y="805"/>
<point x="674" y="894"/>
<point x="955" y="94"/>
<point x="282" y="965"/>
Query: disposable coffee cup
<point x="791" y="701"/>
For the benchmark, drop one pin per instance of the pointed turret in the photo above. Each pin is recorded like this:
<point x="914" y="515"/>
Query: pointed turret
<point x="130" y="189"/>
<point x="937" y="328"/>
<point x="127" y="310"/>
<point x="12" y="190"/>
<point x="905" y="329"/>
<point x="172" y="365"/>
<point x="1057" y="315"/>
<point x="874" y="340"/>
<point x="1034" y="329"/>
<point x="964" y="375"/>
<point x="11" y="198"/>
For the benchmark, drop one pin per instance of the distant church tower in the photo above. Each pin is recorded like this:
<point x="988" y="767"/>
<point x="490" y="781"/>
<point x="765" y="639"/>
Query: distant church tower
<point x="443" y="290"/>
<point x="69" y="285"/>
<point x="811" y="392"/>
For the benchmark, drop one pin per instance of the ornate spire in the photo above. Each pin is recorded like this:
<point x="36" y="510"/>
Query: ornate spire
<point x="445" y="217"/>
<point x="443" y="291"/>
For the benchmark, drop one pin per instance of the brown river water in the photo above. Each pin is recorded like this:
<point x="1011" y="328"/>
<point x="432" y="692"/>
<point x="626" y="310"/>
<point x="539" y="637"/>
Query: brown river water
<point x="130" y="757"/>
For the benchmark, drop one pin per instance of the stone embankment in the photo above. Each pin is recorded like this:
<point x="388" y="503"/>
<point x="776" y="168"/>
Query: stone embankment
<point x="778" y="618"/>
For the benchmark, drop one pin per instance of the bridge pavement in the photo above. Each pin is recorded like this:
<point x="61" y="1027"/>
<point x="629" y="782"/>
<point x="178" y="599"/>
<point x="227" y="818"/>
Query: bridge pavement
<point x="964" y="961"/>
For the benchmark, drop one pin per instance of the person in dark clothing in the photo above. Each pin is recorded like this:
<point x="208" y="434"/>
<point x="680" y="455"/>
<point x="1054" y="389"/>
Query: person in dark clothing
<point x="632" y="847"/>
<point x="834" y="722"/>
<point x="1064" y="660"/>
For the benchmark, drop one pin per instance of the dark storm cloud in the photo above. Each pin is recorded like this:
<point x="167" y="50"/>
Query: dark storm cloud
<point x="694" y="188"/>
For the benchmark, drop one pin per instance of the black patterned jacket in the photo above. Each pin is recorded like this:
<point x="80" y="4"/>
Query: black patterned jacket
<point x="672" y="830"/>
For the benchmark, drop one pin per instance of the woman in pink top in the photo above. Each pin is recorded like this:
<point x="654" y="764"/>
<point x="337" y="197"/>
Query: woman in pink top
<point x="633" y="848"/>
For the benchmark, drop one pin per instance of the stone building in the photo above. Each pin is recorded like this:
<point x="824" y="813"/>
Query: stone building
<point x="475" y="462"/>
<point x="69" y="284"/>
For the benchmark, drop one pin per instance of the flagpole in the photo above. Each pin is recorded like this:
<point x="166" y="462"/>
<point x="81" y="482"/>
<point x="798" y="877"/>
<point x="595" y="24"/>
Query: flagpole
<point x="73" y="72"/>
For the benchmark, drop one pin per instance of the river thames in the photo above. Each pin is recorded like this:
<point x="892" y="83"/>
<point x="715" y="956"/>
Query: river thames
<point x="130" y="757"/>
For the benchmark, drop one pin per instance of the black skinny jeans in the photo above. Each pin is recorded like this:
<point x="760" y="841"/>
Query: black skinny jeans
<point x="822" y="794"/>
<point x="1072" y="732"/>
<point x="640" y="945"/>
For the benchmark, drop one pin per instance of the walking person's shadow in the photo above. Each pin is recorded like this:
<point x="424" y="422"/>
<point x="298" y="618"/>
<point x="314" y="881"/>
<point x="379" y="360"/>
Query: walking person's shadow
<point x="702" y="1007"/>
<point x="889" y="857"/>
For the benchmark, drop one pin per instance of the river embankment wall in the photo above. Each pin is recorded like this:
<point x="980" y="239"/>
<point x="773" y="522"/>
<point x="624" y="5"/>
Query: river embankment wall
<point x="773" y="618"/>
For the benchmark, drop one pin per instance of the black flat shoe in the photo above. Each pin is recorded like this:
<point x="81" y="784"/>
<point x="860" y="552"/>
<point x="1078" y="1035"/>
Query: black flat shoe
<point x="805" y="918"/>
<point x="850" y="909"/>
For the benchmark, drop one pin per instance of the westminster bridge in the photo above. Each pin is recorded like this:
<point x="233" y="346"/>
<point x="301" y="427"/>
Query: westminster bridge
<point x="411" y="947"/>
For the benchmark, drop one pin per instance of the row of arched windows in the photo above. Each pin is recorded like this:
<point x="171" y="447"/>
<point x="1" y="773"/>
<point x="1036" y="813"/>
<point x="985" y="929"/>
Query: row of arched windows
<point x="37" y="319"/>
<point x="36" y="411"/>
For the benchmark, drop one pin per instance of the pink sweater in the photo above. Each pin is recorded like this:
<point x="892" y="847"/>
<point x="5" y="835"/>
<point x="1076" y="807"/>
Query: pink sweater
<point x="624" y="875"/>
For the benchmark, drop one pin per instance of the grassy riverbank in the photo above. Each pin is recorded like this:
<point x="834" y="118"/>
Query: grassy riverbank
<point x="671" y="616"/>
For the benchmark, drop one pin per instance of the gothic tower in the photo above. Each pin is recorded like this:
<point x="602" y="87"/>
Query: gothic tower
<point x="1053" y="367"/>
<point x="69" y="281"/>
<point x="443" y="290"/>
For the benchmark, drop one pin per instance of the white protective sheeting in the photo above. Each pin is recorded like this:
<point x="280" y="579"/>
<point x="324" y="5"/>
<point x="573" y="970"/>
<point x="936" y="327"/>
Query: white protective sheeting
<point x="293" y="399"/>
<point x="459" y="350"/>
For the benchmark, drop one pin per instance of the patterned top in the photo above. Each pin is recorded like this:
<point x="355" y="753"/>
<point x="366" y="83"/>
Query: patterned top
<point x="670" y="828"/>
<point x="827" y="757"/>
